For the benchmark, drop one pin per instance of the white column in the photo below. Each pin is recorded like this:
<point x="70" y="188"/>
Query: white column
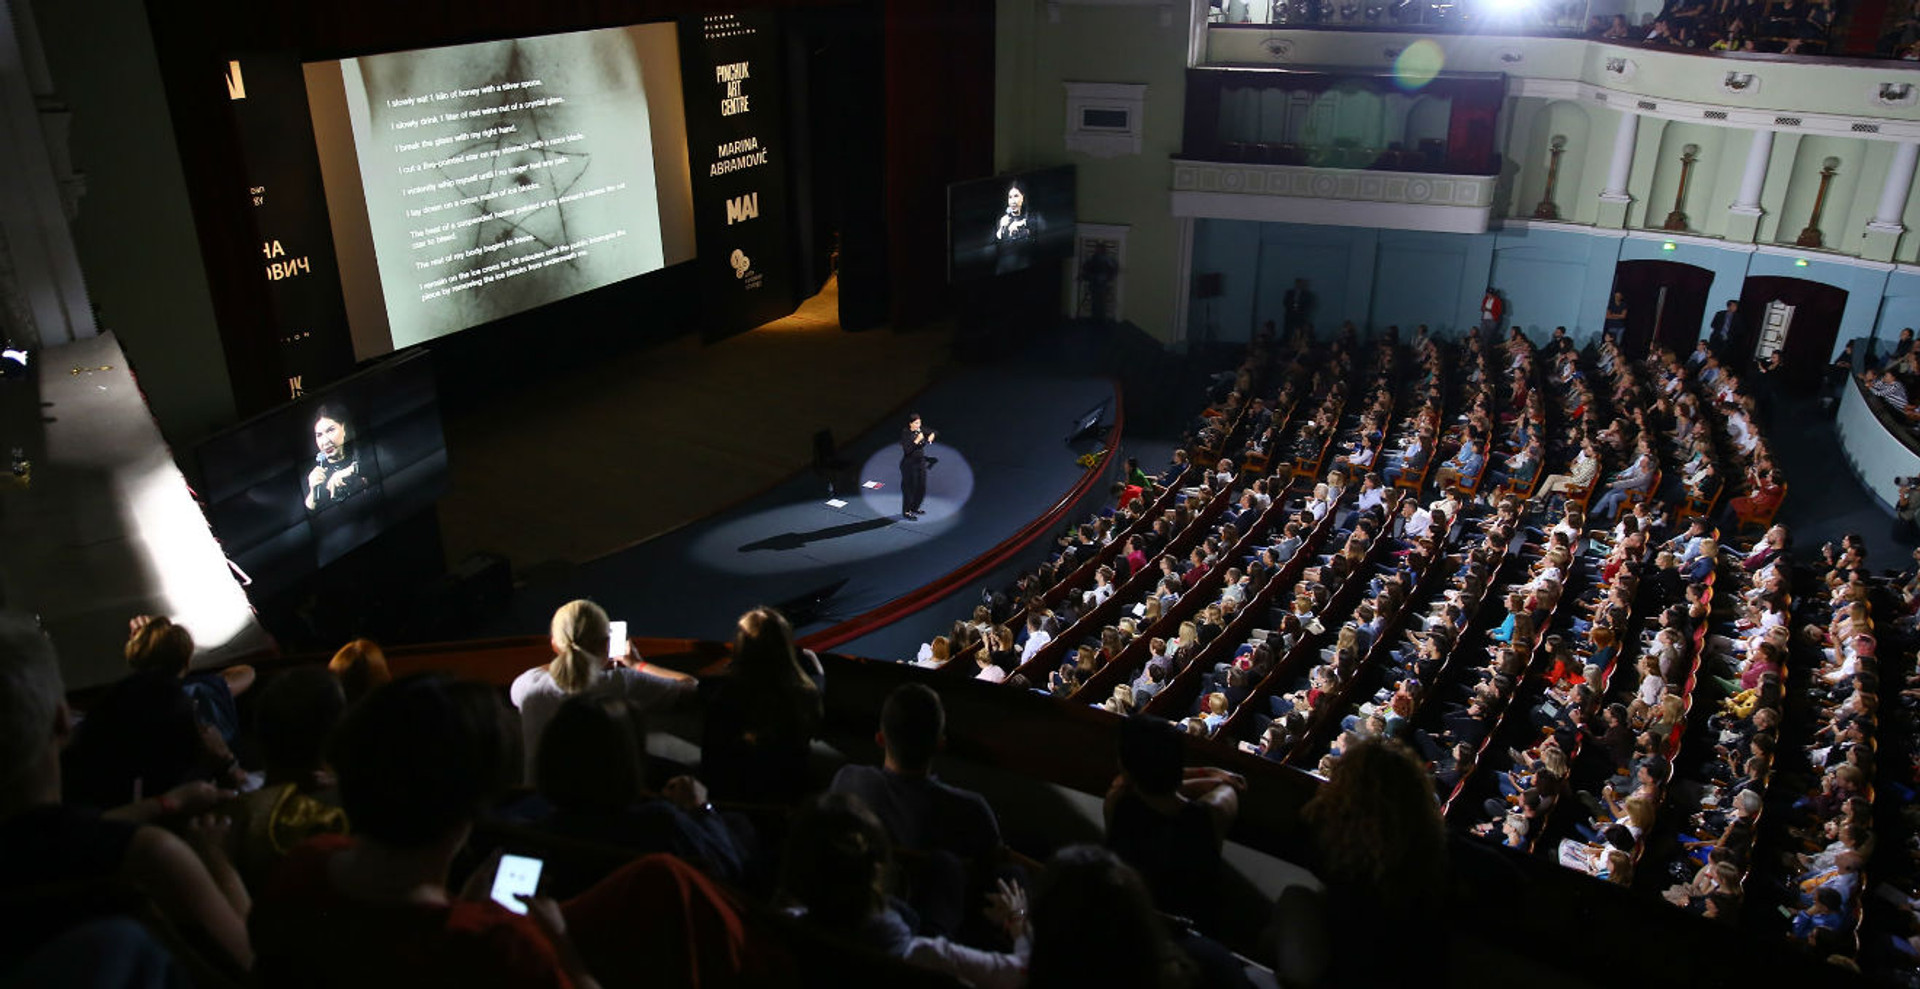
<point x="1183" y="279"/>
<point x="1893" y="195"/>
<point x="1754" y="179"/>
<point x="1622" y="164"/>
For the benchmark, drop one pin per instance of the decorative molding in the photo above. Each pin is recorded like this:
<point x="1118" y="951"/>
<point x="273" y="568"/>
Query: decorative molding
<point x="1305" y="181"/>
<point x="1744" y="83"/>
<point x="1280" y="49"/>
<point x="1620" y="68"/>
<point x="1701" y="240"/>
<point x="1832" y="125"/>
<point x="1340" y="196"/>
<point x="1109" y="99"/>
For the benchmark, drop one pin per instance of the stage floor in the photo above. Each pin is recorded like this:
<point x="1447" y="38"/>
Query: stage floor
<point x="739" y="414"/>
<point x="1004" y="460"/>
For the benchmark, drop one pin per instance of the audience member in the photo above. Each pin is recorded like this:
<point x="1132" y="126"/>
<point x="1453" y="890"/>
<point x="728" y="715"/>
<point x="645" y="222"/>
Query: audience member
<point x="579" y="635"/>
<point x="157" y="645"/>
<point x="298" y="798"/>
<point x="1380" y="851"/>
<point x="762" y="715"/>
<point x="417" y="761"/>
<point x="361" y="666"/>
<point x="1169" y="821"/>
<point x="834" y="872"/>
<point x="54" y="845"/>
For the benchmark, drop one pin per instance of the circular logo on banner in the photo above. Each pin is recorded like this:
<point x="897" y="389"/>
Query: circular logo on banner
<point x="740" y="263"/>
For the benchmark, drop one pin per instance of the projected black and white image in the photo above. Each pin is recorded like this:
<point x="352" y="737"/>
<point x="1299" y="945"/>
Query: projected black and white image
<point x="501" y="176"/>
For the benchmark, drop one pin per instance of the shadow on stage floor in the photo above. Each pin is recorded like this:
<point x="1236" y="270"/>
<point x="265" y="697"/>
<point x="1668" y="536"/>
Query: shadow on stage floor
<point x="1004" y="460"/>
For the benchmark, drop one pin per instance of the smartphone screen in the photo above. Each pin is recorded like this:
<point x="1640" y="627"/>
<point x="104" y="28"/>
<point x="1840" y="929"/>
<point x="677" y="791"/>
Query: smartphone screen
<point x="518" y="876"/>
<point x="617" y="640"/>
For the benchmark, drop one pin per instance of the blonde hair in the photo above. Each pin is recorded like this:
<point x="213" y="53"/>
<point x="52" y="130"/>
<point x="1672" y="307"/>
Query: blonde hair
<point x="579" y="632"/>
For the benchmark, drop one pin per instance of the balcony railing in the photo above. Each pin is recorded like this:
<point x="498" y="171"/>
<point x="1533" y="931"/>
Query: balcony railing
<point x="1343" y="120"/>
<point x="1812" y="29"/>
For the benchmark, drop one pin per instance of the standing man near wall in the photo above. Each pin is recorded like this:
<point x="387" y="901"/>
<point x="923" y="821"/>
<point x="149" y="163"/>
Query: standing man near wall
<point x="1491" y="309"/>
<point x="1298" y="307"/>
<point x="1729" y="328"/>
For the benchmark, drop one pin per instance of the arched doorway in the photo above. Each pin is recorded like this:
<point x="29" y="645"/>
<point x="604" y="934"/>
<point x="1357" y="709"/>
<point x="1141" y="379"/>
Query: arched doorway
<point x="1666" y="301"/>
<point x="1809" y="318"/>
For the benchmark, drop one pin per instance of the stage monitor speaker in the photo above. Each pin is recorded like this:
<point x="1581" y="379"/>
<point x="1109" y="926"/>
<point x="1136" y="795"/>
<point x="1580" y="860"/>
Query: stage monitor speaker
<point x="1206" y="285"/>
<point x="1090" y="422"/>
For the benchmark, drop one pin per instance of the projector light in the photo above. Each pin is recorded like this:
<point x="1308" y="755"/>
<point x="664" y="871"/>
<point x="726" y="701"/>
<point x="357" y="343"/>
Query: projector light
<point x="1508" y="8"/>
<point x="16" y="356"/>
<point x="1799" y="262"/>
<point x="1668" y="246"/>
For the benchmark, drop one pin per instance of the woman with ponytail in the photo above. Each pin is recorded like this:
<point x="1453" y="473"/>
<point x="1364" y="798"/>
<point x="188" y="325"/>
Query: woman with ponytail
<point x="579" y="634"/>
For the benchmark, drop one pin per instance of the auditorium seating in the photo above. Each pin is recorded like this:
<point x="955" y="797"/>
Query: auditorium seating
<point x="1439" y="666"/>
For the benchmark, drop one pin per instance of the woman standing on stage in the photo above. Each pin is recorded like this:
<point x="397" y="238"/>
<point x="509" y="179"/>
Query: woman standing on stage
<point x="913" y="467"/>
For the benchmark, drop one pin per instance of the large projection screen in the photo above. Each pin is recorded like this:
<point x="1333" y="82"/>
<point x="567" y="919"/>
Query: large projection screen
<point x="468" y="183"/>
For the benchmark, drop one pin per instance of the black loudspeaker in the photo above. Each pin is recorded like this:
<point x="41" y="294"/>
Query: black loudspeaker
<point x="1206" y="285"/>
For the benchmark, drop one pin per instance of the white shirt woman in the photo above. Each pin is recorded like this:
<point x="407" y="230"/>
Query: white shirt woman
<point x="580" y="663"/>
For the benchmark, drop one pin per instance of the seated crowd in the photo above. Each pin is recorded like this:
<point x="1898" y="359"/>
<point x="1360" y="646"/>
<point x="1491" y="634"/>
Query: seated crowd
<point x="1487" y="585"/>
<point x="1790" y="27"/>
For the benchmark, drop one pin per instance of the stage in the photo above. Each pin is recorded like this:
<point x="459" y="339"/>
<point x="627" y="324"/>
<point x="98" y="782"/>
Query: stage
<point x="1004" y="460"/>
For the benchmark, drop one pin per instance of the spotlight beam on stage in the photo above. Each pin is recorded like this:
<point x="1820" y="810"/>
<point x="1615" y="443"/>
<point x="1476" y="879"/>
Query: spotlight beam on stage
<point x="806" y="535"/>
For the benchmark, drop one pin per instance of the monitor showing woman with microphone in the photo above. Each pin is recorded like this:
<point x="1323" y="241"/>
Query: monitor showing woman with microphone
<point x="339" y="471"/>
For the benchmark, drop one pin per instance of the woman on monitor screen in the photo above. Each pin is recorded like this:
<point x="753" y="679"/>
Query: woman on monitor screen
<point x="339" y="472"/>
<point x="1014" y="234"/>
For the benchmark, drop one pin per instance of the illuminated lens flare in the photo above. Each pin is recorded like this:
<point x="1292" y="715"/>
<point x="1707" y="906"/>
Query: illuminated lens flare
<point x="1419" y="65"/>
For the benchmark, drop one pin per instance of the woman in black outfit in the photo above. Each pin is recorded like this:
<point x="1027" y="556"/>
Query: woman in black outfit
<point x="913" y="467"/>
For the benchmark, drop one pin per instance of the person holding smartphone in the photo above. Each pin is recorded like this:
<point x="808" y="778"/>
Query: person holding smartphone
<point x="417" y="760"/>
<point x="583" y="658"/>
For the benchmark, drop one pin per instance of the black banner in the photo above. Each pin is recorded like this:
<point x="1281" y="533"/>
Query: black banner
<point x="736" y="127"/>
<point x="268" y="98"/>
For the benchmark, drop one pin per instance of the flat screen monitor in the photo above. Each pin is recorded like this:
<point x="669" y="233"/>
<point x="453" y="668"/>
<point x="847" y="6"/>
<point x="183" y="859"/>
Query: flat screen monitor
<point x="471" y="182"/>
<point x="294" y="489"/>
<point x="1009" y="223"/>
